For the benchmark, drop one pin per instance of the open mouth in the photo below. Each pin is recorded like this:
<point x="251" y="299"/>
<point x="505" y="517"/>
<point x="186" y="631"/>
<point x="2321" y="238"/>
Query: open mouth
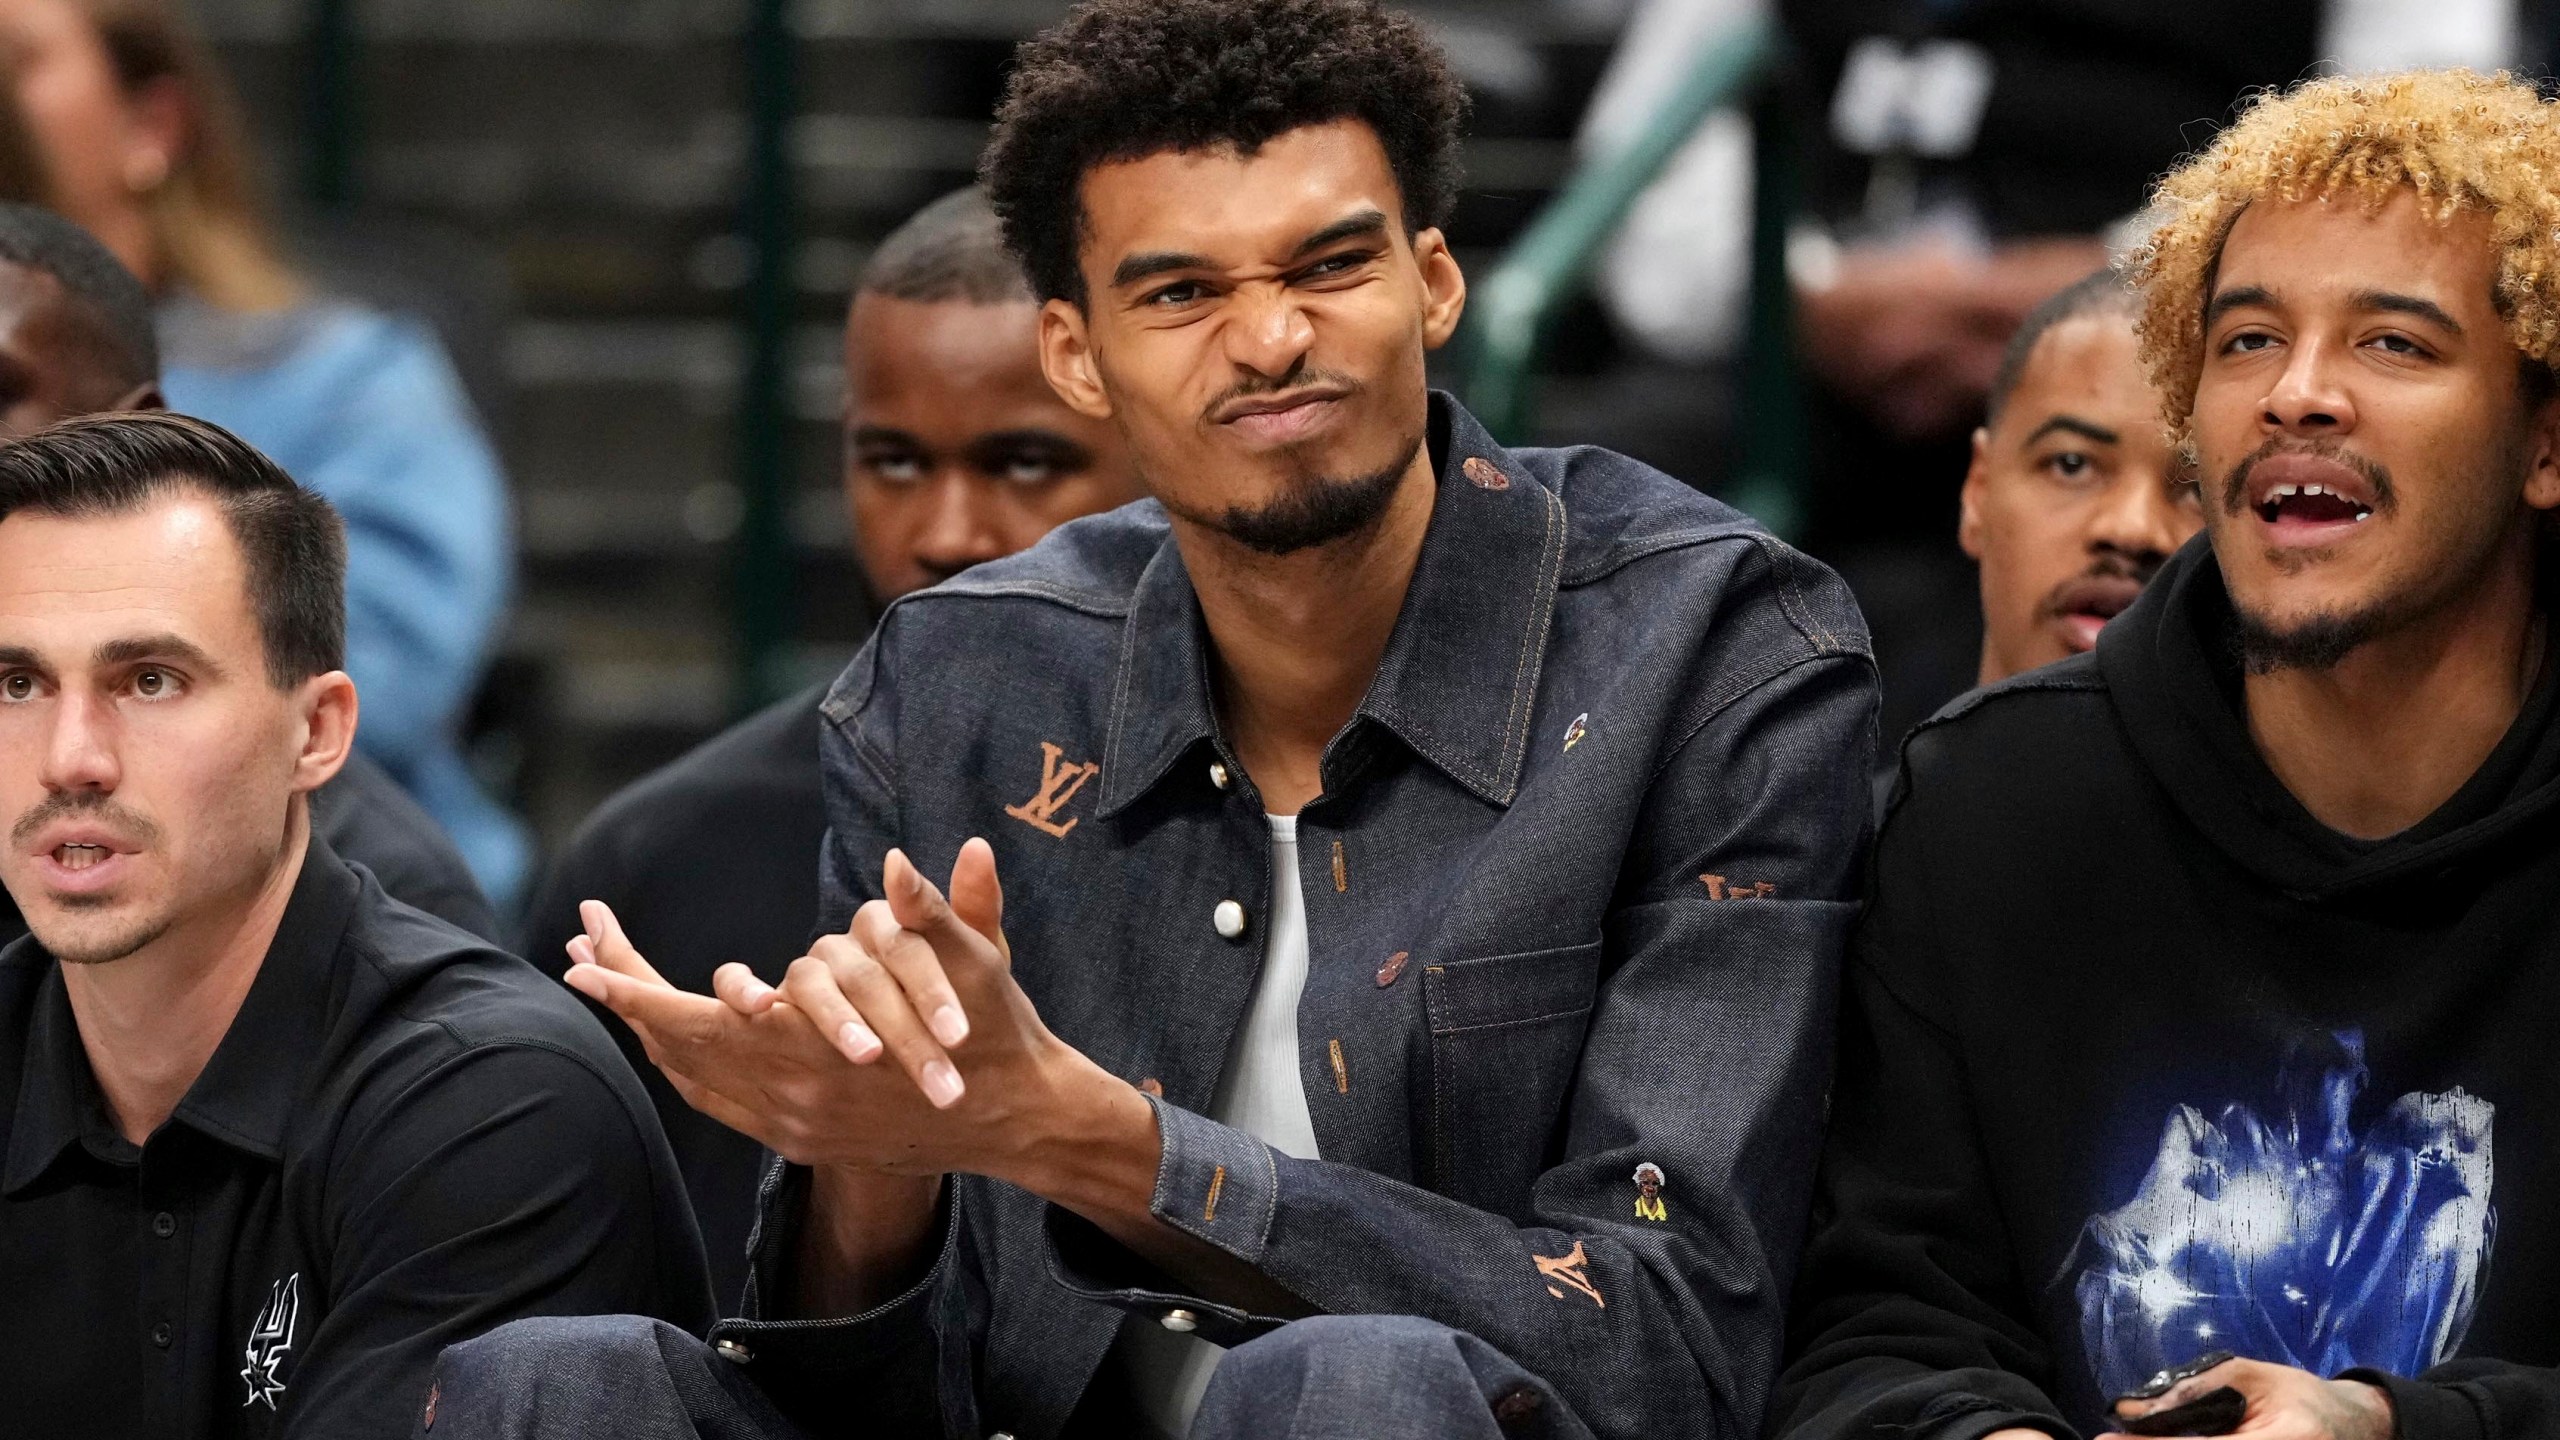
<point x="2085" y="605"/>
<point x="76" y="856"/>
<point x="2311" y="505"/>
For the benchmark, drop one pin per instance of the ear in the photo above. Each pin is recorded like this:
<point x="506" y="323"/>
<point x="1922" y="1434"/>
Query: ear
<point x="145" y="396"/>
<point x="2542" y="475"/>
<point x="326" y="724"/>
<point x="1444" y="287"/>
<point x="1969" y="521"/>
<point x="160" y="129"/>
<point x="1067" y="360"/>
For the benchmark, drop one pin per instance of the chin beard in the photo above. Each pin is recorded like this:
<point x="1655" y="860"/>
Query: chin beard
<point x="1316" y="509"/>
<point x="2319" y="643"/>
<point x="100" y="948"/>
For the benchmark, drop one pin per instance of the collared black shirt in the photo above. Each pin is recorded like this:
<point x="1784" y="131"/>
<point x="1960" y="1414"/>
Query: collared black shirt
<point x="405" y="1139"/>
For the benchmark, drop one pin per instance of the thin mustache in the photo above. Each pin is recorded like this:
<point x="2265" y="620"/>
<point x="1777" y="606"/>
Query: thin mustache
<point x="1295" y="380"/>
<point x="2235" y="485"/>
<point x="86" y="804"/>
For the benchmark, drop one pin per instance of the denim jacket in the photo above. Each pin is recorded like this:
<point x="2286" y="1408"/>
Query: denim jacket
<point x="1576" y="891"/>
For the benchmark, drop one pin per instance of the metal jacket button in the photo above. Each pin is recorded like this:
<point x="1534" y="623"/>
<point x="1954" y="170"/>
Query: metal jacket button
<point x="162" y="1334"/>
<point x="1180" y="1322"/>
<point x="1218" y="773"/>
<point x="1228" y="918"/>
<point x="733" y="1352"/>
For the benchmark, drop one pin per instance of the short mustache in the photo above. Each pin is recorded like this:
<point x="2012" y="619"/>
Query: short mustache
<point x="2235" y="485"/>
<point x="1296" y="379"/>
<point x="2109" y="565"/>
<point x="88" y="804"/>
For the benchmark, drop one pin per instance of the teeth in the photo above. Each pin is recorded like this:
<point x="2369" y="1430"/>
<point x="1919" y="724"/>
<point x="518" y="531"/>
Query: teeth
<point x="2313" y="490"/>
<point x="2284" y="492"/>
<point x="2363" y="515"/>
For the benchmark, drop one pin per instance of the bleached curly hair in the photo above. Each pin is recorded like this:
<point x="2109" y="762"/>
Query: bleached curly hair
<point x="2459" y="139"/>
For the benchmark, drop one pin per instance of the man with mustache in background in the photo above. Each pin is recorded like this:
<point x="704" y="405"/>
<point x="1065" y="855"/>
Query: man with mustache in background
<point x="2076" y="496"/>
<point x="2195" y="1054"/>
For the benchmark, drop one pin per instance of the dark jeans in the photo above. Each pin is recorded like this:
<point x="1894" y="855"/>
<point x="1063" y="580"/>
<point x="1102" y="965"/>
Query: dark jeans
<point x="1352" y="1377"/>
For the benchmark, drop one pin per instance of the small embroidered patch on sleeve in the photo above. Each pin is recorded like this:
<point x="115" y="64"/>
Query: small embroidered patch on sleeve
<point x="1567" y="1269"/>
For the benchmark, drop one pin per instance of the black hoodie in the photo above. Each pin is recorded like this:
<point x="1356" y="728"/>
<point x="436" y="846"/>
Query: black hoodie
<point x="2140" y="1061"/>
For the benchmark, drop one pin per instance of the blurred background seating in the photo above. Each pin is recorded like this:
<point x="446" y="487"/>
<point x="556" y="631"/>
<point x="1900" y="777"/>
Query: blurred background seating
<point x="634" y="224"/>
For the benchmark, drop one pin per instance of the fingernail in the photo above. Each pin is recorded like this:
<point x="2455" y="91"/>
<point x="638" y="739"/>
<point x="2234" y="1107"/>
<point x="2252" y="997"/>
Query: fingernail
<point x="949" y="1026"/>
<point x="941" y="1084"/>
<point x="857" y="1041"/>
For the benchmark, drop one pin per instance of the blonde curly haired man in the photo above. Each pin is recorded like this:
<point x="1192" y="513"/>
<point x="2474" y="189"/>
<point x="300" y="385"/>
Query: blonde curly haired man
<point x="2194" y="1074"/>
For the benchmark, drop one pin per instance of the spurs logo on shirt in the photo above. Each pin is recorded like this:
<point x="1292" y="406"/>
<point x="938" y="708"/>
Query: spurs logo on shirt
<point x="270" y="1340"/>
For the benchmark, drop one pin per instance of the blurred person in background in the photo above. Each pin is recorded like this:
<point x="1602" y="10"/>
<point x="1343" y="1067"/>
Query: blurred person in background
<point x="75" y="339"/>
<point x="956" y="452"/>
<point x="1963" y="161"/>
<point x="2076" y="496"/>
<point x="142" y="144"/>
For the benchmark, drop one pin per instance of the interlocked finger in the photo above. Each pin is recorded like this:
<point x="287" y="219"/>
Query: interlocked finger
<point x="878" y="1001"/>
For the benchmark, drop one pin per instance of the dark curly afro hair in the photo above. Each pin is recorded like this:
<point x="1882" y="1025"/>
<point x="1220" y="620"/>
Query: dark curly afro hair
<point x="1122" y="79"/>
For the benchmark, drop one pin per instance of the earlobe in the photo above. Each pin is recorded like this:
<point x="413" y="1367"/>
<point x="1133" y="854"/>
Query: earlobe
<point x="1969" y="513"/>
<point x="1066" y="360"/>
<point x="1444" y="287"/>
<point x="329" y="710"/>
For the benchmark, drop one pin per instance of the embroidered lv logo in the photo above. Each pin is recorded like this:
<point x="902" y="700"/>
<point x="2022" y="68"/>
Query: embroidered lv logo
<point x="1569" y="1270"/>
<point x="1058" y="785"/>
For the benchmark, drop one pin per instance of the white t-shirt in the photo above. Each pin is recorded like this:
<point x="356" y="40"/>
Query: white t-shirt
<point x="1260" y="1093"/>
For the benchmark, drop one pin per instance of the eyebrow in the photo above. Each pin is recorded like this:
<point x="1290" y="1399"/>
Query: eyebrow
<point x="163" y="646"/>
<point x="2235" y="298"/>
<point x="883" y="435"/>
<point x="2390" y="302"/>
<point x="1156" y="262"/>
<point x="2073" y="424"/>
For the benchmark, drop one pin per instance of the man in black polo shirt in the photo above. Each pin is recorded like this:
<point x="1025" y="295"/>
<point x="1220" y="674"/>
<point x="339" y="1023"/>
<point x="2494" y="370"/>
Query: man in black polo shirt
<point x="75" y="339"/>
<point x="268" y="1140"/>
<point x="956" y="452"/>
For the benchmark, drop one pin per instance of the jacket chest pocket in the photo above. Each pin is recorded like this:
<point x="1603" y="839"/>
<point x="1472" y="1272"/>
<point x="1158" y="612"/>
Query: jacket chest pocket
<point x="1506" y="1039"/>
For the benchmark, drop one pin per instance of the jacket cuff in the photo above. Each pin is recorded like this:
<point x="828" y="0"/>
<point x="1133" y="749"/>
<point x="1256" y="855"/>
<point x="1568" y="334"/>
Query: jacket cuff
<point x="1090" y="1265"/>
<point x="892" y="1347"/>
<point x="2423" y="1410"/>
<point x="1215" y="1182"/>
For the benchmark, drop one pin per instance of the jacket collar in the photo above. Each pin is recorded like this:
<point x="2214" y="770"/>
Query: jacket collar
<point x="248" y="1091"/>
<point x="1461" y="668"/>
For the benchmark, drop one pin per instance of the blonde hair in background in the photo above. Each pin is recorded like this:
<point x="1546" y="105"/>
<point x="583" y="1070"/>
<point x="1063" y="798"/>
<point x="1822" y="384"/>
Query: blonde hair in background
<point x="2458" y="139"/>
<point x="209" y="218"/>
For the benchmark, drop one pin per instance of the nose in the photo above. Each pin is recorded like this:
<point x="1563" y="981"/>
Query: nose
<point x="960" y="526"/>
<point x="80" y="751"/>
<point x="1269" y="333"/>
<point x="2140" y="516"/>
<point x="2309" y="396"/>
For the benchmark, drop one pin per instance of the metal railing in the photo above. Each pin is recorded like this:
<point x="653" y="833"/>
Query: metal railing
<point x="1510" y="312"/>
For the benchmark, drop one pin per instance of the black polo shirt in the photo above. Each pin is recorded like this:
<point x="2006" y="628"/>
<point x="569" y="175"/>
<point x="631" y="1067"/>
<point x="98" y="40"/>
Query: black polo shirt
<point x="405" y="1139"/>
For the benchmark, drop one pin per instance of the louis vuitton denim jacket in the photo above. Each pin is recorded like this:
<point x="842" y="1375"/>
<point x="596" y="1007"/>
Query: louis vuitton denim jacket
<point x="1577" y="891"/>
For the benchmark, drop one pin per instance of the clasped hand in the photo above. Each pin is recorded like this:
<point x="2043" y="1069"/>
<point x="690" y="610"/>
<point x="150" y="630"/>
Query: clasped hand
<point x="922" y="981"/>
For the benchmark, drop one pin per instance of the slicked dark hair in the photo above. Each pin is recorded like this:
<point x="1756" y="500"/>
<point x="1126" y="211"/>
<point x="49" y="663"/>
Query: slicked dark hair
<point x="111" y="305"/>
<point x="952" y="249"/>
<point x="1124" y="79"/>
<point x="2101" y="291"/>
<point x="291" y="541"/>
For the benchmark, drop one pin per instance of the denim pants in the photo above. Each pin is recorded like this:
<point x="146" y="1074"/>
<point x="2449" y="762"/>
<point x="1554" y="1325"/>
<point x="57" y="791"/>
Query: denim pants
<point x="1347" y="1377"/>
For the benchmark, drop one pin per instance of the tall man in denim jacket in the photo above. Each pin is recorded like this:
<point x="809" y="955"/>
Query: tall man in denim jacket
<point x="1564" y="769"/>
